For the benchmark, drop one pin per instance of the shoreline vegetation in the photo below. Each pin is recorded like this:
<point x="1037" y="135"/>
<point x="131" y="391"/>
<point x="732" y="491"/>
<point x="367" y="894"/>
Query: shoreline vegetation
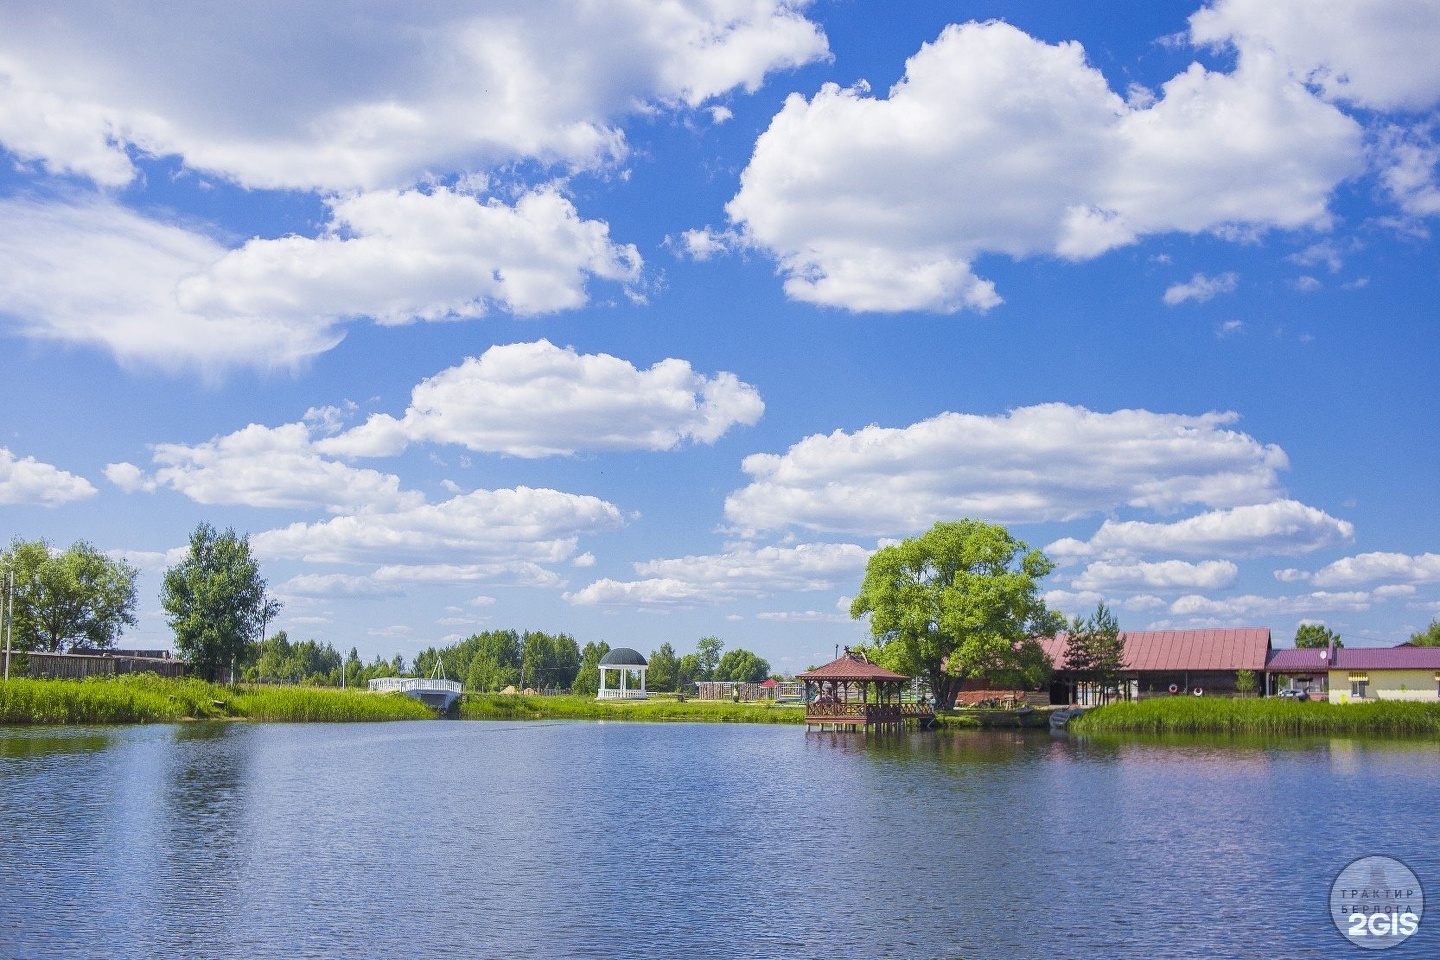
<point x="147" y="698"/>
<point x="500" y="706"/>
<point x="1269" y="715"/>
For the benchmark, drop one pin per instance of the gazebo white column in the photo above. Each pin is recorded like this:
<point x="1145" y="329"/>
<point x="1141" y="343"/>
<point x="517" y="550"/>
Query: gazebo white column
<point x="624" y="660"/>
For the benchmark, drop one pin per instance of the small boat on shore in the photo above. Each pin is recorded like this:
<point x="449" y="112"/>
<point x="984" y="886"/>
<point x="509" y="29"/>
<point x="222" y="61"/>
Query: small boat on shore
<point x="1060" y="718"/>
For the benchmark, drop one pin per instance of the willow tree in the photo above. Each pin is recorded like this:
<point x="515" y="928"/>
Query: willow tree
<point x="960" y="602"/>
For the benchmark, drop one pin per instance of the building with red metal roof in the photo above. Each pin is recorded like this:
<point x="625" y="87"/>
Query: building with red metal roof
<point x="1159" y="662"/>
<point x="1359" y="674"/>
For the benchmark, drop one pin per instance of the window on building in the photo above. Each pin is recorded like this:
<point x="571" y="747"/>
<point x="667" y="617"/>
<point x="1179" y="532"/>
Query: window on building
<point x="1359" y="682"/>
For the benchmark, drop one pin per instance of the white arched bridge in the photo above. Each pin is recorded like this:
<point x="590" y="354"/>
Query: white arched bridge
<point x="431" y="691"/>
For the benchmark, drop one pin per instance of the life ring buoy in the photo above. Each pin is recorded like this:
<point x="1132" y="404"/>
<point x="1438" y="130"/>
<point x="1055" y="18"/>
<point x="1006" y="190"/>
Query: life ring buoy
<point x="1198" y="691"/>
<point x="1174" y="689"/>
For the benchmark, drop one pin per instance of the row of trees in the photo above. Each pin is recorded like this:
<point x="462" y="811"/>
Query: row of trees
<point x="496" y="659"/>
<point x="276" y="660"/>
<point x="80" y="598"/>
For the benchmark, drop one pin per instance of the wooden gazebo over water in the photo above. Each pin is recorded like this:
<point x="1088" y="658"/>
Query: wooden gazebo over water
<point x="854" y="694"/>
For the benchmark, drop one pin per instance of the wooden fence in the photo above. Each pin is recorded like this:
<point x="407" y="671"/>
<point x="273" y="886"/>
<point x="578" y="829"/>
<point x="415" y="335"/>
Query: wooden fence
<point x="97" y="663"/>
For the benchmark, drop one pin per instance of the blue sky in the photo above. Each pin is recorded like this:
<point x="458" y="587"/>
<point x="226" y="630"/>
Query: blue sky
<point x="646" y="321"/>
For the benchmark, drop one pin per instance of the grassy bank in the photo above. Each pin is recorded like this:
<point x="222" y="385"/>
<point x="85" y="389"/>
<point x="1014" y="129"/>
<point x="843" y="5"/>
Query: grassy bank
<point x="975" y="719"/>
<point x="499" y="706"/>
<point x="146" y="698"/>
<point x="1263" y="716"/>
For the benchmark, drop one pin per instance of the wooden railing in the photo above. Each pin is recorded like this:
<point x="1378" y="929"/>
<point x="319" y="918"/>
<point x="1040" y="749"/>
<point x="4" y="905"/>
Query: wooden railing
<point x="866" y="713"/>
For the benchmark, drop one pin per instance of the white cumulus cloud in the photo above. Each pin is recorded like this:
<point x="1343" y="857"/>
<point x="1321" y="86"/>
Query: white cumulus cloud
<point x="92" y="272"/>
<point x="536" y="400"/>
<point x="260" y="466"/>
<point x="1047" y="462"/>
<point x="1261" y="529"/>
<point x="1250" y="607"/>
<point x="1201" y="288"/>
<point x="25" y="480"/>
<point x="742" y="572"/>
<point x="405" y="255"/>
<point x="321" y="98"/>
<point x="997" y="142"/>
<point x="1369" y="568"/>
<point x="1161" y="575"/>
<point x="521" y="523"/>
<point x="1377" y="54"/>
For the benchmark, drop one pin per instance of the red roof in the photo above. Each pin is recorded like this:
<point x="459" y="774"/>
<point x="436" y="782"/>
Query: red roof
<point x="1387" y="658"/>
<point x="851" y="666"/>
<point x="1299" y="659"/>
<point x="1357" y="658"/>
<point x="770" y="683"/>
<point x="1178" y="650"/>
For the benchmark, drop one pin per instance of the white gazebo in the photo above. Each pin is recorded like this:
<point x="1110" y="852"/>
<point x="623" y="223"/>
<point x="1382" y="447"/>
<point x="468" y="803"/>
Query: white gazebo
<point x="623" y="661"/>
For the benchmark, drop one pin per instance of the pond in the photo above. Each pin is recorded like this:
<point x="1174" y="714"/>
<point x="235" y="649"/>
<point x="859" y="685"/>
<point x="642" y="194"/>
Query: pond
<point x="479" y="839"/>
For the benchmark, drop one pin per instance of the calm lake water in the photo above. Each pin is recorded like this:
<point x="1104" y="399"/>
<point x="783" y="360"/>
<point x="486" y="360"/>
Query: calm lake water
<point x="471" y="839"/>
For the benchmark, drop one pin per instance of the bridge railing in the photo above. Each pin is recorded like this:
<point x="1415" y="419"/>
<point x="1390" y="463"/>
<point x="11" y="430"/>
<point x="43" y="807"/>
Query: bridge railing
<point x="414" y="685"/>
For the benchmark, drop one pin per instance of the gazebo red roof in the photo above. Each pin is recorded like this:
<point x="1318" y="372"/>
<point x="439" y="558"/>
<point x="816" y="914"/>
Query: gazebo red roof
<point x="851" y="667"/>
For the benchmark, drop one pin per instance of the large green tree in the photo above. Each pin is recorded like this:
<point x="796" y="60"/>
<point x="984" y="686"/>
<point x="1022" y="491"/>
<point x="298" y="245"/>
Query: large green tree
<point x="1314" y="635"/>
<point x="549" y="660"/>
<point x="664" y="669"/>
<point x="216" y="602"/>
<point x="742" y="666"/>
<point x="707" y="657"/>
<point x="687" y="671"/>
<point x="587" y="678"/>
<point x="960" y="601"/>
<point x="1429" y="637"/>
<point x="75" y="598"/>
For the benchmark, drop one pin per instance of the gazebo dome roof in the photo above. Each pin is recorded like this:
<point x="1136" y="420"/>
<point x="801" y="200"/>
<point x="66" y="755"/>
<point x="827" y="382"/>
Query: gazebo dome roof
<point x="622" y="657"/>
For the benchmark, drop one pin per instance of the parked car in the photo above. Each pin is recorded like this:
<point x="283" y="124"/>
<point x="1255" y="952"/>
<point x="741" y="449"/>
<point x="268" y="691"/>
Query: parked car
<point x="1294" y="693"/>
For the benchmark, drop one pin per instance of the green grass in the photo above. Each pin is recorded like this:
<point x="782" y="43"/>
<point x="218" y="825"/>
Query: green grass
<point x="85" y="701"/>
<point x="1270" y="715"/>
<point x="499" y="706"/>
<point x="323" y="705"/>
<point x="147" y="698"/>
